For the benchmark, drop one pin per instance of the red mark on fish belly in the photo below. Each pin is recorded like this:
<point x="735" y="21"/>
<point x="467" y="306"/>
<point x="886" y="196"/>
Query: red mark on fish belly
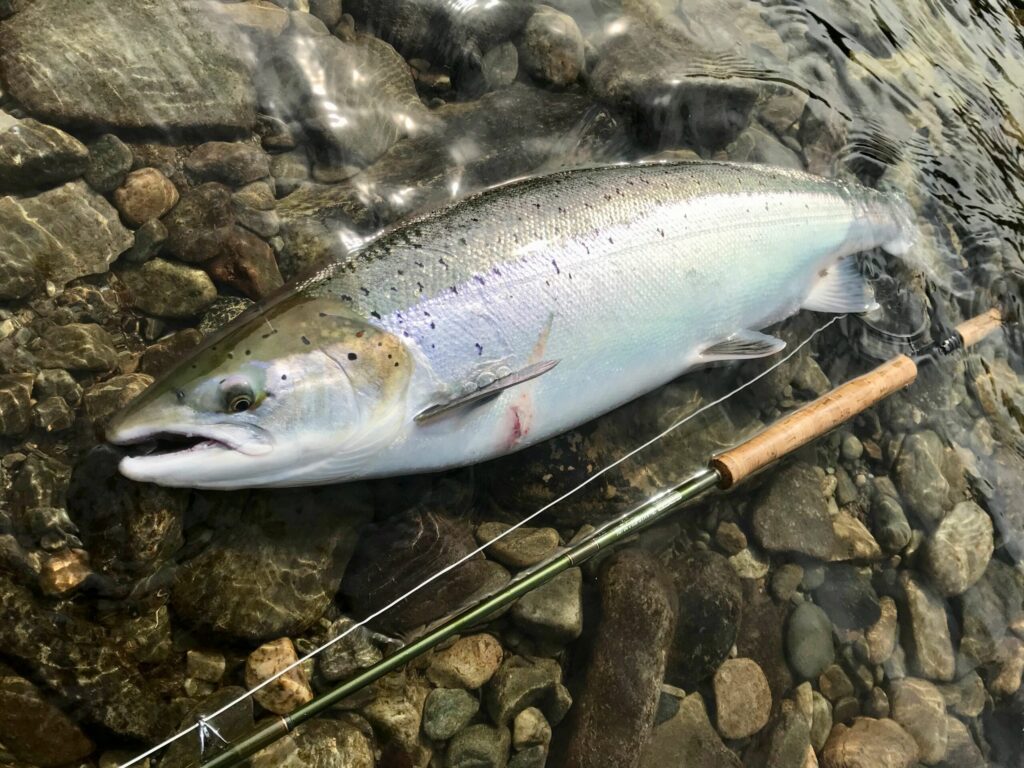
<point x="519" y="428"/>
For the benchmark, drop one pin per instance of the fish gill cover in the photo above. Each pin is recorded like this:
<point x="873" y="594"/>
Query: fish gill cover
<point x="163" y="166"/>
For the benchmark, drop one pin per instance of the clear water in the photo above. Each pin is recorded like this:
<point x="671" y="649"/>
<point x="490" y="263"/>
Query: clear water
<point x="128" y="610"/>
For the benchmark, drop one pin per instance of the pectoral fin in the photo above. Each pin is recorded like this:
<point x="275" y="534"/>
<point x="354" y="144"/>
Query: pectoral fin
<point x="841" y="289"/>
<point x="492" y="389"/>
<point x="742" y="345"/>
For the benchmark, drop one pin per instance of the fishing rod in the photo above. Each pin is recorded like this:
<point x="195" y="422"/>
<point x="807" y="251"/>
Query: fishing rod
<point x="724" y="471"/>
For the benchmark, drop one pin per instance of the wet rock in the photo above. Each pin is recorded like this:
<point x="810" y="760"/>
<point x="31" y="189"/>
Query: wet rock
<point x="786" y="580"/>
<point x="379" y="107"/>
<point x="261" y="21"/>
<point x="790" y="738"/>
<point x="730" y="538"/>
<point x="627" y="662"/>
<point x="149" y="241"/>
<point x="162" y="355"/>
<point x="869" y="743"/>
<point x="499" y="66"/>
<point x="750" y="563"/>
<point x="919" y="475"/>
<point x="743" y="700"/>
<point x="334" y="743"/>
<point x="34" y="730"/>
<point x="350" y="654"/>
<point x="531" y="729"/>
<point x="200" y="223"/>
<point x="853" y="540"/>
<point x="289" y="691"/>
<point x="76" y="347"/>
<point x="835" y="684"/>
<point x="552" y="47"/>
<point x="108" y="79"/>
<point x="110" y="160"/>
<point x="687" y="739"/>
<point x="427" y="541"/>
<point x="809" y="641"/>
<point x="231" y="163"/>
<point x="166" y="289"/>
<point x="958" y="551"/>
<point x="761" y="637"/>
<point x="51" y="415"/>
<point x="290" y="171"/>
<point x="106" y="398"/>
<point x="965" y="696"/>
<point x="58" y="235"/>
<point x="77" y="657"/>
<point x="521" y="548"/>
<point x="246" y="263"/>
<point x="710" y="603"/>
<point x="848" y="597"/>
<point x="821" y="721"/>
<point x="56" y="382"/>
<point x="443" y="32"/>
<point x="877" y="704"/>
<point x="792" y="515"/>
<point x="988" y="610"/>
<point x="145" y="194"/>
<point x="523" y="682"/>
<point x="15" y="403"/>
<point x="42" y="481"/>
<point x="918" y="706"/>
<point x="272" y="566"/>
<point x="926" y="634"/>
<point x="468" y="663"/>
<point x="396" y="713"/>
<point x="888" y="518"/>
<point x="479" y="746"/>
<point x="37" y="156"/>
<point x="64" y="572"/>
<point x="205" y="665"/>
<point x="447" y="711"/>
<point x="553" y="611"/>
<point x="649" y="70"/>
<point x="882" y="635"/>
<point x="328" y="11"/>
<point x="961" y="751"/>
<point x="758" y="145"/>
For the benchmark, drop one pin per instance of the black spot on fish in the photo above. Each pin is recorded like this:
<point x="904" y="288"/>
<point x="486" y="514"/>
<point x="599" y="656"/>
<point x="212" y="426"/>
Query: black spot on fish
<point x="418" y="264"/>
<point x="479" y="279"/>
<point x="479" y="349"/>
<point x="284" y="377"/>
<point x="611" y="241"/>
<point x="432" y="324"/>
<point x="555" y="265"/>
<point x="442" y="262"/>
<point x="375" y="314"/>
<point x="180" y="395"/>
<point x="366" y="291"/>
<point x="396" y="365"/>
<point x="352" y="356"/>
<point x="537" y="206"/>
<point x="462" y="241"/>
<point x="400" y="273"/>
<point x="248" y="351"/>
<point x="346" y="297"/>
<point x="389" y="357"/>
<point x="306" y="341"/>
<point x="420" y="286"/>
<point x="455" y="290"/>
<point x="359" y="334"/>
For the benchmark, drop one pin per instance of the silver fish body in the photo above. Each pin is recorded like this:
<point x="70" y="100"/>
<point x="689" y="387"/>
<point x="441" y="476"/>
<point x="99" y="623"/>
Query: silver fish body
<point x="612" y="280"/>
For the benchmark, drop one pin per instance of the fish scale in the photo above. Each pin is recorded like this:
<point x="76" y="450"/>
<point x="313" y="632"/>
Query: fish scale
<point x="560" y="297"/>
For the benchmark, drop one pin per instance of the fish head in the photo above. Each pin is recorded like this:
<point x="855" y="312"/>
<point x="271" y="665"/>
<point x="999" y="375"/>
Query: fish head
<point x="287" y="394"/>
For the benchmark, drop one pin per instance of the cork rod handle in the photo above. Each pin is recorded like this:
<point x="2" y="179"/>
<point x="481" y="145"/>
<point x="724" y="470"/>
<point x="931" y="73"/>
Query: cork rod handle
<point x="832" y="409"/>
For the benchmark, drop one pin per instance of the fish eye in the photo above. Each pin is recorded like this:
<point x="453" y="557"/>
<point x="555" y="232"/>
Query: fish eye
<point x="239" y="398"/>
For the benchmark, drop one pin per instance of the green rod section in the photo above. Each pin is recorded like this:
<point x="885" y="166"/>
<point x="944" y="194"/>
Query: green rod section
<point x="636" y="519"/>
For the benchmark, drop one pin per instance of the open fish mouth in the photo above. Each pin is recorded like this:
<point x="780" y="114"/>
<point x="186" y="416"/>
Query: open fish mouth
<point x="149" y="443"/>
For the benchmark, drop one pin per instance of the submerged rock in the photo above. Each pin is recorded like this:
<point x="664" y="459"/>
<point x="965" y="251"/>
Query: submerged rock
<point x="168" y="289"/>
<point x="523" y="682"/>
<point x="272" y="565"/>
<point x="926" y="634"/>
<point x="110" y="160"/>
<point x="73" y="64"/>
<point x="35" y="156"/>
<point x="792" y="515"/>
<point x="627" y="663"/>
<point x="232" y="163"/>
<point x="918" y="706"/>
<point x="447" y="711"/>
<point x="552" y="47"/>
<point x="743" y="700"/>
<point x="809" y="641"/>
<point x="76" y="347"/>
<point x="145" y="194"/>
<point x="710" y="605"/>
<point x="553" y="611"/>
<point x="848" y="597"/>
<point x="468" y="663"/>
<point x="479" y="746"/>
<point x="58" y="235"/>
<point x="199" y="225"/>
<point x="34" y="730"/>
<point x="288" y="691"/>
<point x="958" y="551"/>
<point x="870" y="743"/>
<point x="687" y="739"/>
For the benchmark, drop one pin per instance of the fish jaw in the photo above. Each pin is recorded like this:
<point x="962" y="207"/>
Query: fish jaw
<point x="196" y="450"/>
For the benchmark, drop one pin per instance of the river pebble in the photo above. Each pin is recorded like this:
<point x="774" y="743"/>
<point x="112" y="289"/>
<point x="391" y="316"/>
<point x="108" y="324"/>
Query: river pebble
<point x="870" y="743"/>
<point x="200" y="223"/>
<point x="530" y="729"/>
<point x="918" y="706"/>
<point x="289" y="691"/>
<point x="447" y="711"/>
<point x="229" y="162"/>
<point x="687" y="739"/>
<point x="809" y="641"/>
<point x="931" y="648"/>
<point x="552" y="47"/>
<point x="521" y="548"/>
<point x="36" y="156"/>
<point x="479" y="746"/>
<point x="792" y="515"/>
<point x="110" y="160"/>
<point x="145" y="194"/>
<point x="468" y="663"/>
<point x="957" y="553"/>
<point x="743" y="700"/>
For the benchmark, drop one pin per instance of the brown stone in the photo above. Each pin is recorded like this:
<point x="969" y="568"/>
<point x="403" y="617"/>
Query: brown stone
<point x="469" y="663"/>
<point x="247" y="264"/>
<point x="64" y="571"/>
<point x="146" y="194"/>
<point x="869" y="743"/>
<point x="289" y="691"/>
<point x="743" y="700"/>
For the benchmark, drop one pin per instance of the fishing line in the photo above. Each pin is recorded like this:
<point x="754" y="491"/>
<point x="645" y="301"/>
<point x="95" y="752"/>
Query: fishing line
<point x="203" y="723"/>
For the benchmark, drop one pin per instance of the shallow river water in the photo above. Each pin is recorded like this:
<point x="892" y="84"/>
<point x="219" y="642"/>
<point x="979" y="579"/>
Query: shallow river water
<point x="163" y="165"/>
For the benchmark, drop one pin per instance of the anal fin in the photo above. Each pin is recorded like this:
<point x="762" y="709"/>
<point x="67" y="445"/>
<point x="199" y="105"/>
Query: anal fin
<point x="743" y="345"/>
<point x="492" y="389"/>
<point x="841" y="289"/>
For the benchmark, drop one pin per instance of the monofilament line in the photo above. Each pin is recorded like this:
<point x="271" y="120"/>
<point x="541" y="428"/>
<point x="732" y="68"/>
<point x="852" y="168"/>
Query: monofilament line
<point x="572" y="491"/>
